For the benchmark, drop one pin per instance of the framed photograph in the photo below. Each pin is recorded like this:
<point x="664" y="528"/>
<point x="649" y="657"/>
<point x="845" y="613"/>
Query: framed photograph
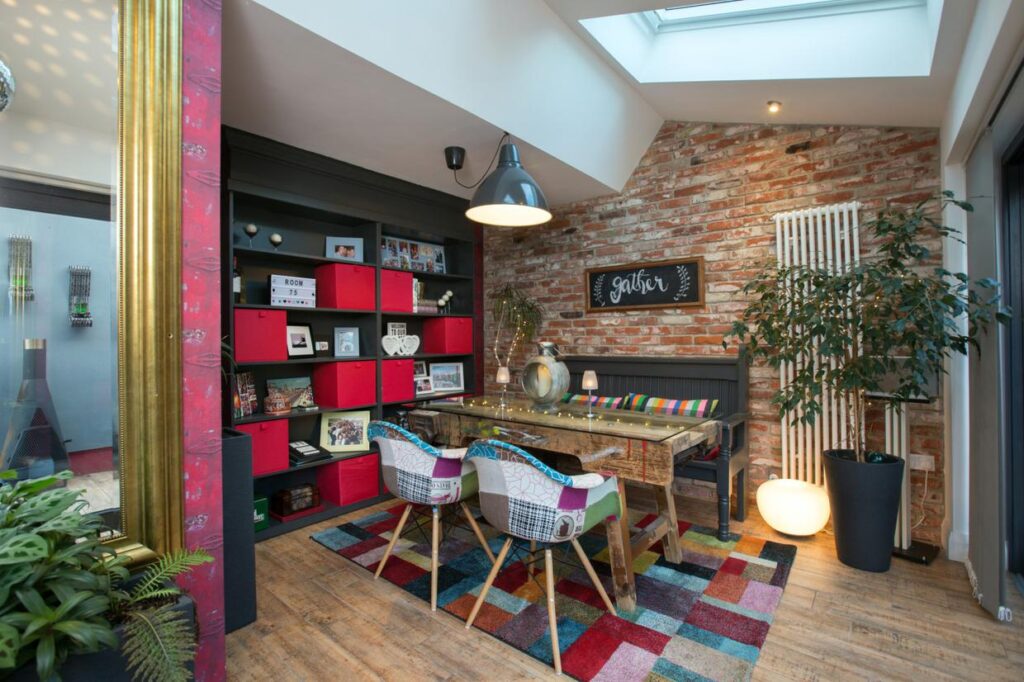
<point x="447" y="377"/>
<point x="300" y="341"/>
<point x="345" y="248"/>
<point x="419" y="369"/>
<point x="396" y="329"/>
<point x="297" y="392"/>
<point x="424" y="385"/>
<point x="346" y="342"/>
<point x="344" y="431"/>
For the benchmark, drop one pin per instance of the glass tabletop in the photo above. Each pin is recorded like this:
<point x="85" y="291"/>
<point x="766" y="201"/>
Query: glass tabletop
<point x="619" y="423"/>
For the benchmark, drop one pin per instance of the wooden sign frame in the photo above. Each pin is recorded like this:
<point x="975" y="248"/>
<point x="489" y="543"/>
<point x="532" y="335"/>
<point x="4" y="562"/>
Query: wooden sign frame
<point x="699" y="303"/>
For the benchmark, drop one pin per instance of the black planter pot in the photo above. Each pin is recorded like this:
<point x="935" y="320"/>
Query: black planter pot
<point x="108" y="665"/>
<point x="865" y="499"/>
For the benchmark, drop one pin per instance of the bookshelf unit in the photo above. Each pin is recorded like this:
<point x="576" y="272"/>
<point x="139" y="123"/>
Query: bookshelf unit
<point x="306" y="198"/>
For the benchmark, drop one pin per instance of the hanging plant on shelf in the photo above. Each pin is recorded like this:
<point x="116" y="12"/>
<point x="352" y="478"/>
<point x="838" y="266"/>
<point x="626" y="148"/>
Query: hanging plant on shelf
<point x="516" y="316"/>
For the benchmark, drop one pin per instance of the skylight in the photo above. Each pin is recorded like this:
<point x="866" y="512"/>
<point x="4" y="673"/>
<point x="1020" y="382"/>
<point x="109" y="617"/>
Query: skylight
<point x="733" y="40"/>
<point x="737" y="12"/>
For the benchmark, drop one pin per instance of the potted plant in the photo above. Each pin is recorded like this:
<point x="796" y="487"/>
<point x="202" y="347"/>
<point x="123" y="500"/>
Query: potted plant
<point x="66" y="599"/>
<point x="517" y="315"/>
<point x="885" y="325"/>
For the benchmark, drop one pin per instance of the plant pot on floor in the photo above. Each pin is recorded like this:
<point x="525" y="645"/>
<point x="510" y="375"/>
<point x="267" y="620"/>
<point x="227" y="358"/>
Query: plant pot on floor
<point x="865" y="499"/>
<point x="108" y="665"/>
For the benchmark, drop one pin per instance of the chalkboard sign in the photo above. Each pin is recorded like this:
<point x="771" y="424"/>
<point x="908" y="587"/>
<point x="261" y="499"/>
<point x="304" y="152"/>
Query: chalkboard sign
<point x="661" y="284"/>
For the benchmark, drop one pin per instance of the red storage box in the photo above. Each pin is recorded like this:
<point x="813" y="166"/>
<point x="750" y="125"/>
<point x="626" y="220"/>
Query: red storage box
<point x="260" y="335"/>
<point x="345" y="384"/>
<point x="343" y="285"/>
<point x="396" y="291"/>
<point x="269" y="445"/>
<point x="350" y="480"/>
<point x="396" y="380"/>
<point x="448" y="335"/>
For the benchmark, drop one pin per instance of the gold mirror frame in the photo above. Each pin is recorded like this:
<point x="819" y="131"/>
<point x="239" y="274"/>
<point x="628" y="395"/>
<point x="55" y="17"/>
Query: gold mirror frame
<point x="149" y="371"/>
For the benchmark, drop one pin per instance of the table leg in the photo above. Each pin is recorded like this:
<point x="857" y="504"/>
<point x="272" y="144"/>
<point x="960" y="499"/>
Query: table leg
<point x="667" y="508"/>
<point x="620" y="554"/>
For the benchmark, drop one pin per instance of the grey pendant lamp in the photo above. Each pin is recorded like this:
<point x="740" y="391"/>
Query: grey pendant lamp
<point x="508" y="196"/>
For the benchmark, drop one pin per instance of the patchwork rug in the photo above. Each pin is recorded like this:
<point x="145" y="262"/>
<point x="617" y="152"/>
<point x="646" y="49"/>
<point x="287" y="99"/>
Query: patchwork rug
<point x="704" y="618"/>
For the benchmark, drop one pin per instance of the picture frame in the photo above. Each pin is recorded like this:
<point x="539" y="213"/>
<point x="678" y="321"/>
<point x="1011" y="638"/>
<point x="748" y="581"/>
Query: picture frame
<point x="299" y="338"/>
<point x="344" y="248"/>
<point x="447" y="377"/>
<point x="423" y="385"/>
<point x="296" y="391"/>
<point x="419" y="369"/>
<point x="345" y="431"/>
<point x="397" y="328"/>
<point x="646" y="285"/>
<point x="346" y="342"/>
<point x="409" y="254"/>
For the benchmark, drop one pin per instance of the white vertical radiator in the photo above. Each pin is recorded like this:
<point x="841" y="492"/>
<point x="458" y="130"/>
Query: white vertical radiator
<point x="825" y="237"/>
<point x="897" y="442"/>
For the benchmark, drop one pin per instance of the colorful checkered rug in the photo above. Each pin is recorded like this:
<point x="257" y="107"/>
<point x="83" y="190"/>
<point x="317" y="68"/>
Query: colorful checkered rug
<point x="705" y="618"/>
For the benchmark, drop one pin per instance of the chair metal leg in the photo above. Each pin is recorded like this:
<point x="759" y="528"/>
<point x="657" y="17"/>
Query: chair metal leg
<point x="549" y="571"/>
<point x="585" y="560"/>
<point x="435" y="541"/>
<point x="476" y="531"/>
<point x="487" y="583"/>
<point x="394" y="538"/>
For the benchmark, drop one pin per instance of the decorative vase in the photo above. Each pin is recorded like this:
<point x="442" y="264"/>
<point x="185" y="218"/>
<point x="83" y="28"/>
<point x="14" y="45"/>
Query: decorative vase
<point x="865" y="501"/>
<point x="545" y="379"/>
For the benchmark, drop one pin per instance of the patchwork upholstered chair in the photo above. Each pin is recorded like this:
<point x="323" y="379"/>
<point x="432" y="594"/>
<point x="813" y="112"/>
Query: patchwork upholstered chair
<point x="524" y="498"/>
<point x="421" y="474"/>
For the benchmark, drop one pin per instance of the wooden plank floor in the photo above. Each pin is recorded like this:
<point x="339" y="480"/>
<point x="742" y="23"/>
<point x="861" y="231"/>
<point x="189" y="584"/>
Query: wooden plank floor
<point x="322" y="617"/>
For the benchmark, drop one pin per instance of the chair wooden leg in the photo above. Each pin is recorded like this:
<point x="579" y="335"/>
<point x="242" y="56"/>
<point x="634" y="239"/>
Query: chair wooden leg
<point x="476" y="530"/>
<point x="394" y="538"/>
<point x="549" y="571"/>
<point x="585" y="560"/>
<point x="435" y="542"/>
<point x="531" y="568"/>
<point x="487" y="583"/>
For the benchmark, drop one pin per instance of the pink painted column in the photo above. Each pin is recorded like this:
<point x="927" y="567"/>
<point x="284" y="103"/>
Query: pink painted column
<point x="201" y="281"/>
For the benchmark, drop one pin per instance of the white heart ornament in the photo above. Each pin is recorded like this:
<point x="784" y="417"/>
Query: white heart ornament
<point x="392" y="344"/>
<point x="410" y="344"/>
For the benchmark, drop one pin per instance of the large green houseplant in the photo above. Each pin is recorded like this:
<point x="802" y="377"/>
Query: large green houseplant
<point x="62" y="592"/>
<point x="885" y="325"/>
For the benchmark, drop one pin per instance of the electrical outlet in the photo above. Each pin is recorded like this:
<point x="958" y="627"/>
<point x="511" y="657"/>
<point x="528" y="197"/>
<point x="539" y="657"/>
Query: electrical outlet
<point x="921" y="462"/>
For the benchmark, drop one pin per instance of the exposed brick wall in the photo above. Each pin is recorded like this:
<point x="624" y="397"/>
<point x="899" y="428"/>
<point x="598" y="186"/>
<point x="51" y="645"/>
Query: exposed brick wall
<point x="711" y="190"/>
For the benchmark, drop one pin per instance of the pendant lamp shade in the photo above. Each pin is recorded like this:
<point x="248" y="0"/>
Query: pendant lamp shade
<point x="509" y="196"/>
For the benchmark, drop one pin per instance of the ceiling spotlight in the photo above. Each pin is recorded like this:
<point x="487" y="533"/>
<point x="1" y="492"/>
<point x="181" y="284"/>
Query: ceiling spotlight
<point x="774" y="107"/>
<point x="6" y="86"/>
<point x="508" y="196"/>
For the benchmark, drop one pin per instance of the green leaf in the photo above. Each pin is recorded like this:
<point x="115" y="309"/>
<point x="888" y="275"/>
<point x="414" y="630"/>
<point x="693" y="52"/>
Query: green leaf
<point x="158" y="645"/>
<point x="46" y="658"/>
<point x="22" y="548"/>
<point x="10" y="643"/>
<point x="165" y="568"/>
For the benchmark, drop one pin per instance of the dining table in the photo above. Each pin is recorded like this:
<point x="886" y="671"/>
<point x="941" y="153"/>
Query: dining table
<point x="643" y="449"/>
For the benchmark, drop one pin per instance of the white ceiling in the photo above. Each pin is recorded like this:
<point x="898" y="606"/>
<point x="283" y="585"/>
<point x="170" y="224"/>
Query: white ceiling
<point x="902" y="101"/>
<point x="60" y="54"/>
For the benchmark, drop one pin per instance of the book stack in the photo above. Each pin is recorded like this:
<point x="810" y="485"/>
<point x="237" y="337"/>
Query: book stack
<point x="288" y="291"/>
<point x="244" y="401"/>
<point x="420" y="304"/>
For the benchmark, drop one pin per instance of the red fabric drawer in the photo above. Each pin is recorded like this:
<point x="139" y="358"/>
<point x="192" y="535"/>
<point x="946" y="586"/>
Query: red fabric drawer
<point x="351" y="480"/>
<point x="448" y="335"/>
<point x="260" y="335"/>
<point x="342" y="285"/>
<point x="345" y="384"/>
<point x="396" y="291"/>
<point x="269" y="445"/>
<point x="396" y="380"/>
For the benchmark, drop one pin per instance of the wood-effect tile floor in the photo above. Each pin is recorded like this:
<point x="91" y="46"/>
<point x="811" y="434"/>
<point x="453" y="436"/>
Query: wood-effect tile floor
<point x="321" y="617"/>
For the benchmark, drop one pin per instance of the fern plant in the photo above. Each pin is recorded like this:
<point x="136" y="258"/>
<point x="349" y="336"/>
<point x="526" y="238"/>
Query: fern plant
<point x="62" y="590"/>
<point x="521" y="315"/>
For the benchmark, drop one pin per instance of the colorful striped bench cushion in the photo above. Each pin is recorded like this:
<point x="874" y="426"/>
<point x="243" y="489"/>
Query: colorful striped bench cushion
<point x="606" y="402"/>
<point x="686" y="408"/>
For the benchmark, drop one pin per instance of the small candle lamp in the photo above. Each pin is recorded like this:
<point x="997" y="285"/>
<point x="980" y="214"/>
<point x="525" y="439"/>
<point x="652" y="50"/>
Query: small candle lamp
<point x="589" y="385"/>
<point x="504" y="378"/>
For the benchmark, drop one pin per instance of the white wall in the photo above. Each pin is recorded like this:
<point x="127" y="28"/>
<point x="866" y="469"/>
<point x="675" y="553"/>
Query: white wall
<point x="44" y="147"/>
<point x="992" y="51"/>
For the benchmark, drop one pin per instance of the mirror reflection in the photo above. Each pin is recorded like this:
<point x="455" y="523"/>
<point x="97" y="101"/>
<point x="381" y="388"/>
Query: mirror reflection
<point x="58" y="242"/>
